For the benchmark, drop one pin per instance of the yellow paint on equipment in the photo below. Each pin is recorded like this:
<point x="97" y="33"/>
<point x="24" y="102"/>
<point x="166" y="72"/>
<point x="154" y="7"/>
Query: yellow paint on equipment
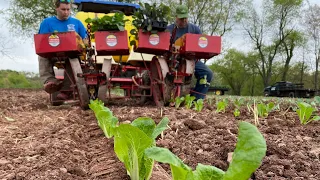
<point x="82" y="16"/>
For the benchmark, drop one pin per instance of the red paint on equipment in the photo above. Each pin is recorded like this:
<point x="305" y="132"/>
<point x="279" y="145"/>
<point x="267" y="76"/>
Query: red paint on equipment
<point x="153" y="43"/>
<point x="59" y="45"/>
<point x="112" y="42"/>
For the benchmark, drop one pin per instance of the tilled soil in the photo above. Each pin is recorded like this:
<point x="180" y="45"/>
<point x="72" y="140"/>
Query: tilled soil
<point x="38" y="141"/>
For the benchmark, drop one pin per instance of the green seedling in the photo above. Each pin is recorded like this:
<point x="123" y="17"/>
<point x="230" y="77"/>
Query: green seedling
<point x="198" y="105"/>
<point x="305" y="111"/>
<point x="221" y="106"/>
<point x="317" y="99"/>
<point x="265" y="109"/>
<point x="178" y="101"/>
<point x="106" y="121"/>
<point x="238" y="102"/>
<point x="130" y="140"/>
<point x="248" y="155"/>
<point x="236" y="113"/>
<point x="189" y="100"/>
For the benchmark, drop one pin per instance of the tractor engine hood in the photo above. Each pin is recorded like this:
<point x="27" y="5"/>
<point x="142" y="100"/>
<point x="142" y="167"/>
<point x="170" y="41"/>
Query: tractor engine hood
<point x="103" y="6"/>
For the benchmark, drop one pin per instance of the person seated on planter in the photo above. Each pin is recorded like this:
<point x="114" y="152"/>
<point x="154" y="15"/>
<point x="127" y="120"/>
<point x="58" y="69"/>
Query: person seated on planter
<point x="203" y="73"/>
<point x="62" y="22"/>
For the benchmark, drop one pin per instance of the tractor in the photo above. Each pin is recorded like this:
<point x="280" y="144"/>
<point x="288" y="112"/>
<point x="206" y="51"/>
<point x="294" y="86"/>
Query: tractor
<point x="156" y="66"/>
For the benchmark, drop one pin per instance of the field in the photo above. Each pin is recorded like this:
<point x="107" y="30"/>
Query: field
<point x="38" y="141"/>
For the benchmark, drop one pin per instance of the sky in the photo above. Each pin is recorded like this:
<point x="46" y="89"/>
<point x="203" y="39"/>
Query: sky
<point x="24" y="57"/>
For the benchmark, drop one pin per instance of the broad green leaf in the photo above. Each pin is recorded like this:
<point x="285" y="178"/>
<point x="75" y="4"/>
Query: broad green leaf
<point x="96" y="105"/>
<point x="205" y="172"/>
<point x="103" y="114"/>
<point x="129" y="145"/>
<point x="179" y="170"/>
<point x="163" y="125"/>
<point x="121" y="28"/>
<point x="199" y="105"/>
<point x="107" y="122"/>
<point x="270" y="106"/>
<point x="317" y="98"/>
<point x="250" y="150"/>
<point x="179" y="173"/>
<point x="146" y="168"/>
<point x="236" y="113"/>
<point x="189" y="99"/>
<point x="145" y="124"/>
<point x="305" y="111"/>
<point x="178" y="101"/>
<point x="316" y="118"/>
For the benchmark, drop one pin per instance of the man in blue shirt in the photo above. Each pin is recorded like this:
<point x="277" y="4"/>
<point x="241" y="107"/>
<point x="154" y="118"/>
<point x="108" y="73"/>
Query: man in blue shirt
<point x="62" y="22"/>
<point x="203" y="73"/>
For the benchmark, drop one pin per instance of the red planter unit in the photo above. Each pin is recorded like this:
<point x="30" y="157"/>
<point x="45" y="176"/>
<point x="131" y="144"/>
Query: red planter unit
<point x="64" y="44"/>
<point x="199" y="46"/>
<point x="112" y="42"/>
<point x="153" y="43"/>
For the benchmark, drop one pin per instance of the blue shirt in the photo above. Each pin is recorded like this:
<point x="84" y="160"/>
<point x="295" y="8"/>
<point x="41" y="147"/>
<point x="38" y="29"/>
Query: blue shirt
<point x="51" y="24"/>
<point x="191" y="28"/>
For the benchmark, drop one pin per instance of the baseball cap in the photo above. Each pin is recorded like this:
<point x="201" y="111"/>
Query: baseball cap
<point x="182" y="11"/>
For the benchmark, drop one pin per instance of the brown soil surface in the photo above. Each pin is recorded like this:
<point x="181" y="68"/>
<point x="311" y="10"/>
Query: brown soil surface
<point x="38" y="141"/>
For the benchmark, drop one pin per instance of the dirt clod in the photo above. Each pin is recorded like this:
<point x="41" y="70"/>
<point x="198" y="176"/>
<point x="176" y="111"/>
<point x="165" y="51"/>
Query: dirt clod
<point x="195" y="124"/>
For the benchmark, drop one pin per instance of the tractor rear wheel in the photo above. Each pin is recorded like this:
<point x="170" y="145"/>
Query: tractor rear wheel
<point x="80" y="83"/>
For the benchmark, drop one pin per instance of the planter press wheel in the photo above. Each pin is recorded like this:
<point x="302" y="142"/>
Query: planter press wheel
<point x="67" y="84"/>
<point x="159" y="68"/>
<point x="102" y="91"/>
<point x="80" y="83"/>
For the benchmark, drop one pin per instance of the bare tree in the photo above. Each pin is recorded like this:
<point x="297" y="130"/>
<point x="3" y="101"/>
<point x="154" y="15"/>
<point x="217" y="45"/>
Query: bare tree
<point x="312" y="21"/>
<point x="268" y="31"/>
<point x="5" y="47"/>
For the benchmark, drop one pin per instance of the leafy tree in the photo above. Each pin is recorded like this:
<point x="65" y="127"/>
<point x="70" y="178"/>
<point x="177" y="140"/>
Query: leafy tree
<point x="25" y="16"/>
<point x="212" y="16"/>
<point x="269" y="29"/>
<point x="233" y="69"/>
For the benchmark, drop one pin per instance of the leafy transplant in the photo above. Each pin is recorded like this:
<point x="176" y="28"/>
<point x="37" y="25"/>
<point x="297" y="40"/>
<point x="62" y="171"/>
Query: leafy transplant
<point x="130" y="140"/>
<point x="150" y="18"/>
<point x="108" y="23"/>
<point x="247" y="157"/>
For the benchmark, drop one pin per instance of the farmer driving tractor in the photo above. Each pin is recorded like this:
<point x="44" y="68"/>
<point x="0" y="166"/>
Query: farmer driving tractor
<point x="62" y="22"/>
<point x="203" y="73"/>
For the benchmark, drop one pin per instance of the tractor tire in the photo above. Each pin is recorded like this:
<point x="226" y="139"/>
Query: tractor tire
<point x="81" y="85"/>
<point x="291" y="94"/>
<point x="266" y="93"/>
<point x="218" y="92"/>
